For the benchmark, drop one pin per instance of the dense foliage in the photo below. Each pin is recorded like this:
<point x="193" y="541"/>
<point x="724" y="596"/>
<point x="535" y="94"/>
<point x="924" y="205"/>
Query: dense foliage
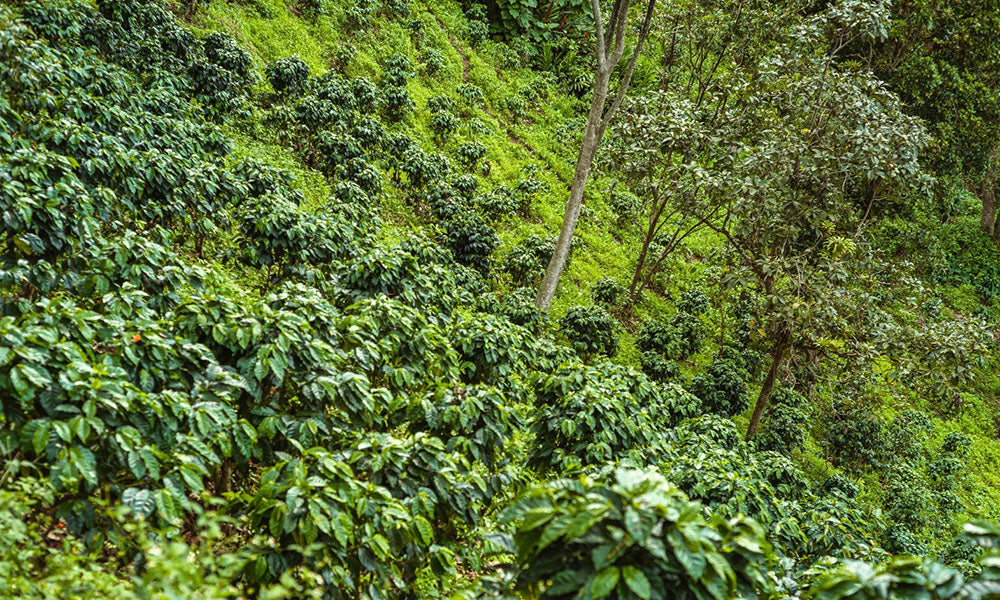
<point x="268" y="323"/>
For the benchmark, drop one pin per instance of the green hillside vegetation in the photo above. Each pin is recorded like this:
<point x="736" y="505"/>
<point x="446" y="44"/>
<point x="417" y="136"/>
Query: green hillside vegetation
<point x="268" y="309"/>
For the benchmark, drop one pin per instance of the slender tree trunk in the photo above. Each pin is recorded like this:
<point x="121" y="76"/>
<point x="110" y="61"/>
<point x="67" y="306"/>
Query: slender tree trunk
<point x="588" y="149"/>
<point x="777" y="357"/>
<point x="988" y="215"/>
<point x="646" y="241"/>
<point x="609" y="50"/>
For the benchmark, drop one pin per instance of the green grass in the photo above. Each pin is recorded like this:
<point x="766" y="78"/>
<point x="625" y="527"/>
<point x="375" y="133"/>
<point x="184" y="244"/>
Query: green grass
<point x="545" y="136"/>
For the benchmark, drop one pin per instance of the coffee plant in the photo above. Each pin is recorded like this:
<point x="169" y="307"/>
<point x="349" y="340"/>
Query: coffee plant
<point x="721" y="388"/>
<point x="590" y="330"/>
<point x="287" y="74"/>
<point x="222" y="378"/>
<point x="635" y="536"/>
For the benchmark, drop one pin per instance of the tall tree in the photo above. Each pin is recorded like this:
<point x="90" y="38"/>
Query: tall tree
<point x="666" y="144"/>
<point x="609" y="49"/>
<point x="943" y="58"/>
<point x="800" y="142"/>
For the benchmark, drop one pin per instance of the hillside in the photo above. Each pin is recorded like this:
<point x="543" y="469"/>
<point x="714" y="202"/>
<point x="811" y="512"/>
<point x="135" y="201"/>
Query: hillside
<point x="268" y="319"/>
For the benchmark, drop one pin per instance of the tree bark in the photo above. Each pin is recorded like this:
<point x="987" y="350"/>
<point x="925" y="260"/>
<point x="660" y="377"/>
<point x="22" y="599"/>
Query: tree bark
<point x="591" y="139"/>
<point x="646" y="241"/>
<point x="597" y="123"/>
<point x="988" y="215"/>
<point x="777" y="357"/>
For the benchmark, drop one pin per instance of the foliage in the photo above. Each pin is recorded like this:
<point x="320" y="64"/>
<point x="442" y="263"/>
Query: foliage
<point x="433" y="61"/>
<point x="526" y="262"/>
<point x="283" y="305"/>
<point x="633" y="537"/>
<point x="471" y="240"/>
<point x="287" y="74"/>
<point x="721" y="388"/>
<point x="590" y="415"/>
<point x="473" y="420"/>
<point x="607" y="292"/>
<point x="855" y="437"/>
<point x="470" y="153"/>
<point x="785" y="427"/>
<point x="590" y="330"/>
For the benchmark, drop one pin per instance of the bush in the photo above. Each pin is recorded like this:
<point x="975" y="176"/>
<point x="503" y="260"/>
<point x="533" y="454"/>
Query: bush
<point x="636" y="536"/>
<point x="443" y="124"/>
<point x="659" y="368"/>
<point x="471" y="95"/>
<point x="422" y="169"/>
<point x="655" y="337"/>
<point x="784" y="426"/>
<point x="607" y="292"/>
<point x="474" y="420"/>
<point x="625" y="206"/>
<point x="471" y="240"/>
<point x="470" y="153"/>
<point x="688" y="332"/>
<point x="440" y="103"/>
<point x="433" y="60"/>
<point x="901" y="540"/>
<point x="908" y="434"/>
<point x="361" y="513"/>
<point x="526" y="262"/>
<point x="443" y="202"/>
<point x="396" y="103"/>
<point x="396" y="70"/>
<point x="677" y="339"/>
<point x="840" y="485"/>
<point x="365" y="95"/>
<point x="519" y="307"/>
<point x="590" y="330"/>
<point x="478" y="31"/>
<point x="693" y="302"/>
<point x="499" y="203"/>
<point x="465" y="185"/>
<point x="368" y="132"/>
<point x="222" y="50"/>
<point x="492" y="350"/>
<point x="721" y="388"/>
<point x="855" y="437"/>
<point x="957" y="444"/>
<point x="343" y="55"/>
<point x="396" y="8"/>
<point x="287" y="74"/>
<point x="594" y="415"/>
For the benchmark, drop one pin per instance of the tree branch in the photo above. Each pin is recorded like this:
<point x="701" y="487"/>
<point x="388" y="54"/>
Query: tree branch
<point x="599" y="31"/>
<point x="623" y="89"/>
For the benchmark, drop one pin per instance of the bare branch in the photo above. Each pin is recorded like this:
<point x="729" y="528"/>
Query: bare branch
<point x="623" y="89"/>
<point x="599" y="31"/>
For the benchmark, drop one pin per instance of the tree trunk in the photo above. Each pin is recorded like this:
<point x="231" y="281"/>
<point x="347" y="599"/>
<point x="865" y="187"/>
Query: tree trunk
<point x="646" y="241"/>
<point x="597" y="122"/>
<point x="777" y="357"/>
<point x="988" y="215"/>
<point x="588" y="149"/>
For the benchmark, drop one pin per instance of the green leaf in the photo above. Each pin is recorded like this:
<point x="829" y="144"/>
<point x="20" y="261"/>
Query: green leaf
<point x="136" y="465"/>
<point x="637" y="582"/>
<point x="40" y="439"/>
<point x="83" y="460"/>
<point x="424" y="529"/>
<point x="604" y="583"/>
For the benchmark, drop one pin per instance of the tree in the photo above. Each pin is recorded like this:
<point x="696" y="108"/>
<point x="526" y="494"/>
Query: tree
<point x="609" y="50"/>
<point x="667" y="143"/>
<point x="943" y="58"/>
<point x="813" y="145"/>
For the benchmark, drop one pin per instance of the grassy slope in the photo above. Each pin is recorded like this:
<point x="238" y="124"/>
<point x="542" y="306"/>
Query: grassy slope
<point x="545" y="137"/>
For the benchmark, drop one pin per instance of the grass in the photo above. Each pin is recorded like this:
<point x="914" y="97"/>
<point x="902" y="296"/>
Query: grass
<point x="545" y="135"/>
